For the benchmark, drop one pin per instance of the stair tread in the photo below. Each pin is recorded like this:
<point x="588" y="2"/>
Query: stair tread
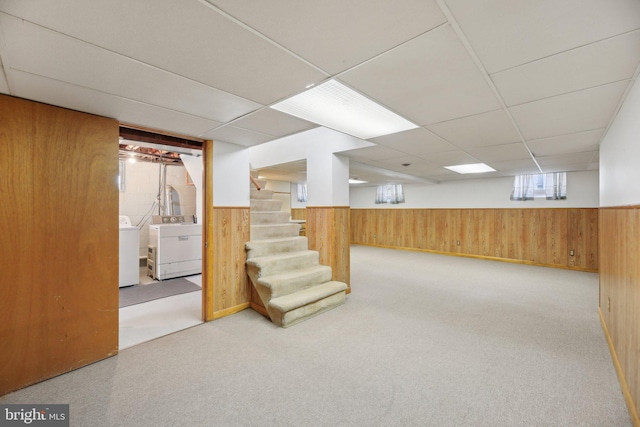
<point x="287" y="275"/>
<point x="307" y="296"/>
<point x="277" y="240"/>
<point x="284" y="224"/>
<point x="280" y="256"/>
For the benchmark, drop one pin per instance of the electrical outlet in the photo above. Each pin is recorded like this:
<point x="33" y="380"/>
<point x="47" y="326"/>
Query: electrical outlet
<point x="458" y="243"/>
<point x="572" y="252"/>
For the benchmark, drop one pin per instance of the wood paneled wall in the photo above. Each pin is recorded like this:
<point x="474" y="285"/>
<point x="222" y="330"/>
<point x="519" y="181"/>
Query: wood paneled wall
<point x="59" y="251"/>
<point x="299" y="214"/>
<point x="536" y="236"/>
<point x="231" y="287"/>
<point x="620" y="295"/>
<point x="328" y="233"/>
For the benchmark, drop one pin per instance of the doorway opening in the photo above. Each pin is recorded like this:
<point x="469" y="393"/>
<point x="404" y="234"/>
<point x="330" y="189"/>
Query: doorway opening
<point x="161" y="232"/>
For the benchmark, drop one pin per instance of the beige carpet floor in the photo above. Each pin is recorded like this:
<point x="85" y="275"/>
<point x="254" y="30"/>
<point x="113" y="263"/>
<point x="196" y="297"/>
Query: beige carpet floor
<point x="423" y="340"/>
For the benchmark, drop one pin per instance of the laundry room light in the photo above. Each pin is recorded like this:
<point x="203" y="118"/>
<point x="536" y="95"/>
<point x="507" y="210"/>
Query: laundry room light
<point x="338" y="107"/>
<point x="471" y="168"/>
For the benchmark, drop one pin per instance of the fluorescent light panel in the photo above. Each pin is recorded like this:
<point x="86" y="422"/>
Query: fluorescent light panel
<point x="356" y="181"/>
<point x="338" y="107"/>
<point x="471" y="168"/>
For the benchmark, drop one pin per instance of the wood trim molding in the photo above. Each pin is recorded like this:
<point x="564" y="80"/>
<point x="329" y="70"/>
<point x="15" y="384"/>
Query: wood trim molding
<point x="156" y="136"/>
<point x="326" y="207"/>
<point x="260" y="309"/>
<point x="231" y="310"/>
<point x="488" y="258"/>
<point x="633" y="411"/>
<point x="620" y="207"/>
<point x="207" y="243"/>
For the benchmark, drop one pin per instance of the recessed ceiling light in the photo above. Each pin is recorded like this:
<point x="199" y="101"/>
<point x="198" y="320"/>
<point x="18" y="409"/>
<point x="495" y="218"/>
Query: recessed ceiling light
<point x="471" y="168"/>
<point x="338" y="107"/>
<point x="356" y="181"/>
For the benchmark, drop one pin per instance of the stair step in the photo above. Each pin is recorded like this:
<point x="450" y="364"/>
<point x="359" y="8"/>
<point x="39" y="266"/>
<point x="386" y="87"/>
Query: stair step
<point x="261" y="194"/>
<point x="294" y="308"/>
<point x="274" y="231"/>
<point x="288" y="282"/>
<point x="273" y="264"/>
<point x="265" y="205"/>
<point x="257" y="248"/>
<point x="269" y="217"/>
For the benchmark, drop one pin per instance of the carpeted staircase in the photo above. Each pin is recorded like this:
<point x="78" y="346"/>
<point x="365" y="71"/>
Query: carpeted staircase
<point x="287" y="276"/>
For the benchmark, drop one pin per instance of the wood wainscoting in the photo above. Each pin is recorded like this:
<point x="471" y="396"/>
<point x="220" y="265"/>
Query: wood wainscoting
<point x="328" y="233"/>
<point x="532" y="236"/>
<point x="230" y="284"/>
<point x="59" y="251"/>
<point x="299" y="214"/>
<point x="619" y="230"/>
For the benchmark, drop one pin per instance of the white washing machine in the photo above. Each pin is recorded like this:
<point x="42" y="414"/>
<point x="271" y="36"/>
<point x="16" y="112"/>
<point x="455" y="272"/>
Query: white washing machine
<point x="129" y="253"/>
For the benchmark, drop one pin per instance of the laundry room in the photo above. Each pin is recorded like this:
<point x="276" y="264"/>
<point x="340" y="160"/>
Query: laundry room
<point x="160" y="257"/>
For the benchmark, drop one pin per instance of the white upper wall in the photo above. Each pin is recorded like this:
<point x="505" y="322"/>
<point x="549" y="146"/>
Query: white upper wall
<point x="582" y="192"/>
<point x="620" y="155"/>
<point x="230" y="175"/>
<point x="301" y="146"/>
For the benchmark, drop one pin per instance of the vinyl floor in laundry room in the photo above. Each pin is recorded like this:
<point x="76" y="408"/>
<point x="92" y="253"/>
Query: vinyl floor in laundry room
<point x="150" y="320"/>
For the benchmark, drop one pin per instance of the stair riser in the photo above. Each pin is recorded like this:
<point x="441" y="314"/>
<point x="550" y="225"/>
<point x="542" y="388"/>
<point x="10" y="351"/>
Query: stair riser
<point x="263" y="233"/>
<point x="262" y="218"/>
<point x="259" y="248"/>
<point x="275" y="266"/>
<point x="262" y="194"/>
<point x="265" y="205"/>
<point x="279" y="288"/>
<point x="308" y="311"/>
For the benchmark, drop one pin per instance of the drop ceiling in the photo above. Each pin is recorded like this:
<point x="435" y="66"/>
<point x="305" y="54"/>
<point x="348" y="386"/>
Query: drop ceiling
<point x="523" y="86"/>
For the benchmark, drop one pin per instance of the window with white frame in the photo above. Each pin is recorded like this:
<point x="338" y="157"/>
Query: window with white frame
<point x="390" y="193"/>
<point x="302" y="193"/>
<point x="549" y="186"/>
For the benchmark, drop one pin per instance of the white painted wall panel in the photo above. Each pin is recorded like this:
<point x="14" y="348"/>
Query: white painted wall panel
<point x="620" y="155"/>
<point x="582" y="191"/>
<point x="230" y="175"/>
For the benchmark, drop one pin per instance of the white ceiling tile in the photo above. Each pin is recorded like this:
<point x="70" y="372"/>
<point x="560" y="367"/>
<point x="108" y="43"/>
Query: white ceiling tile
<point x="479" y="130"/>
<point x="507" y="33"/>
<point x="36" y="50"/>
<point x="515" y="167"/>
<point x="497" y="153"/>
<point x="566" y="159"/>
<point x="335" y="34"/>
<point x="565" y="168"/>
<point x="61" y="94"/>
<point x="574" y="112"/>
<point x="4" y="86"/>
<point x="592" y="65"/>
<point x="451" y="158"/>
<point x="428" y="80"/>
<point x="563" y="144"/>
<point x="376" y="152"/>
<point x="273" y="122"/>
<point x="593" y="166"/>
<point x="187" y="38"/>
<point x="417" y="142"/>
<point x="467" y="176"/>
<point x="413" y="164"/>
<point x="237" y="136"/>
